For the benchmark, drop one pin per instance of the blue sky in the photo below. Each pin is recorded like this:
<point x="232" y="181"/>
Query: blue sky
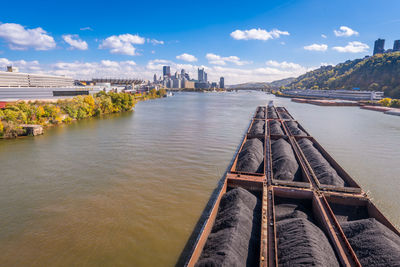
<point x="241" y="40"/>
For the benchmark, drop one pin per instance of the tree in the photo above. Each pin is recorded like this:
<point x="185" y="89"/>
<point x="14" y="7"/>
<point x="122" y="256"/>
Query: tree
<point x="385" y="102"/>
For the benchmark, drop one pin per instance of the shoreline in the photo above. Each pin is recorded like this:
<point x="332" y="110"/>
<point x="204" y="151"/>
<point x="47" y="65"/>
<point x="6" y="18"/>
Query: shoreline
<point x="344" y="103"/>
<point x="31" y="118"/>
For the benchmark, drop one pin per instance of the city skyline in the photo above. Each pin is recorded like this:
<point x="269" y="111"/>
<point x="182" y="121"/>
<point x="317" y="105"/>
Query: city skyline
<point x="259" y="42"/>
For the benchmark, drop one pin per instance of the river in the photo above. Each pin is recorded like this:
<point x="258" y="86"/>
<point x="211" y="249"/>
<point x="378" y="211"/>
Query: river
<point x="127" y="189"/>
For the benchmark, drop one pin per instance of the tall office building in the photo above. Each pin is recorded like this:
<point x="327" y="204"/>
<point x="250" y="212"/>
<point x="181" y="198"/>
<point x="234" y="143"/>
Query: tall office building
<point x="221" y="82"/>
<point x="167" y="71"/>
<point x="396" y="46"/>
<point x="155" y="78"/>
<point x="379" y="47"/>
<point x="201" y="75"/>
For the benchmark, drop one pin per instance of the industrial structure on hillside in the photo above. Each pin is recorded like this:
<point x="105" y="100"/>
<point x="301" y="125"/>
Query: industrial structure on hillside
<point x="379" y="47"/>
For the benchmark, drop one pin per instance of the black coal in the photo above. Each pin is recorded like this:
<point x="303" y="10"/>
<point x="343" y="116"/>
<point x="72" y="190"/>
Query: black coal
<point x="258" y="128"/>
<point x="234" y="238"/>
<point x="261" y="113"/>
<point x="300" y="241"/>
<point x="373" y="243"/>
<point x="295" y="129"/>
<point x="284" y="163"/>
<point x="272" y="113"/>
<point x="285" y="116"/>
<point x="251" y="156"/>
<point x="321" y="167"/>
<point x="276" y="128"/>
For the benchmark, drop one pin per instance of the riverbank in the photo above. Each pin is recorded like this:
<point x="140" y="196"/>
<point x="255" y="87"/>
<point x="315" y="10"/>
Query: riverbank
<point x="18" y="118"/>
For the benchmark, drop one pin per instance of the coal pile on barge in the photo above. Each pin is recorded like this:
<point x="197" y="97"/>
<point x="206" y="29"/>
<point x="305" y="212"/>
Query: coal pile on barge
<point x="300" y="241"/>
<point x="258" y="128"/>
<point x="284" y="163"/>
<point x="251" y="157"/>
<point x="261" y="113"/>
<point x="295" y="129"/>
<point x="276" y="128"/>
<point x="373" y="243"/>
<point x="321" y="167"/>
<point x="234" y="239"/>
<point x="272" y="113"/>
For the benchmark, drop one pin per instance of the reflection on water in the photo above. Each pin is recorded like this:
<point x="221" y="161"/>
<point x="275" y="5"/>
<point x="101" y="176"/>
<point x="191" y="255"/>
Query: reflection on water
<point x="127" y="189"/>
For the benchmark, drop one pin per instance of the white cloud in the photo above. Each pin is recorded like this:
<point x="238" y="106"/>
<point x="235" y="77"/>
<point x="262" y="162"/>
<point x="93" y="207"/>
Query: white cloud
<point x="122" y="44"/>
<point x="283" y="65"/>
<point x="345" y="31"/>
<point x="219" y="60"/>
<point x="20" y="38"/>
<point x="324" y="36"/>
<point x="89" y="70"/>
<point x="109" y="63"/>
<point x="257" y="34"/>
<point x="75" y="42"/>
<point x="86" y="29"/>
<point x="187" y="57"/>
<point x="155" y="42"/>
<point x="352" y="47"/>
<point x="316" y="47"/>
<point x="22" y="65"/>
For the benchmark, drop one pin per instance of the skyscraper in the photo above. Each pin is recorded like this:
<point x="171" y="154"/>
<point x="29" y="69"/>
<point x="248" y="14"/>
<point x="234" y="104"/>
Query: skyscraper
<point x="396" y="46"/>
<point x="167" y="71"/>
<point x="201" y="75"/>
<point x="221" y="82"/>
<point x="155" y="78"/>
<point x="379" y="47"/>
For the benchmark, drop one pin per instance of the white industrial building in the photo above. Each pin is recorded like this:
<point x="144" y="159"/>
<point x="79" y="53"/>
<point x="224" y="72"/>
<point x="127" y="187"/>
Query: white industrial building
<point x="17" y="79"/>
<point x="17" y="85"/>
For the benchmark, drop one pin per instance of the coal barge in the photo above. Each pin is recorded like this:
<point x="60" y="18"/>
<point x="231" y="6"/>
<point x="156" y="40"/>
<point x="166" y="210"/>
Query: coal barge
<point x="284" y="201"/>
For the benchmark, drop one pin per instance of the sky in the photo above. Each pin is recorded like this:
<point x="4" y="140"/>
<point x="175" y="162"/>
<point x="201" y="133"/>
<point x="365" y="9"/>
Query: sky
<point x="243" y="41"/>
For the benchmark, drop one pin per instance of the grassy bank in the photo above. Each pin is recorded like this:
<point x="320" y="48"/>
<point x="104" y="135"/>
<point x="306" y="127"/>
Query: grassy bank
<point x="65" y="111"/>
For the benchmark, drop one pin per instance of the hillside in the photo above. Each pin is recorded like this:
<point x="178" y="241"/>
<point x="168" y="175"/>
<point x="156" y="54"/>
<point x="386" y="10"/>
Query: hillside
<point x="283" y="82"/>
<point x="258" y="85"/>
<point x="249" y="85"/>
<point x="380" y="72"/>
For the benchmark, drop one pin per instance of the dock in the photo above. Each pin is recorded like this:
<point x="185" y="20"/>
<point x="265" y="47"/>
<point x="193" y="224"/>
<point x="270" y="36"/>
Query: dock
<point x="288" y="183"/>
<point x="326" y="102"/>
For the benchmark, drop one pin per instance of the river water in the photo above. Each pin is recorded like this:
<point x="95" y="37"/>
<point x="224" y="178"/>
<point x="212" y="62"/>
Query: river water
<point x="127" y="189"/>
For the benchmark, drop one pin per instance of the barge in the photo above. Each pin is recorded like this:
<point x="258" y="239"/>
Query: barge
<point x="284" y="200"/>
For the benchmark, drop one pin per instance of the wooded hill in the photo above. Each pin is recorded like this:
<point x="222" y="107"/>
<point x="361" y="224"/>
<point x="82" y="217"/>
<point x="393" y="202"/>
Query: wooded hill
<point x="379" y="73"/>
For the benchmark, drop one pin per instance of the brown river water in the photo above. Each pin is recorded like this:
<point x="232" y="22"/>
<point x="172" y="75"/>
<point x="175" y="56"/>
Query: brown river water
<point x="127" y="189"/>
